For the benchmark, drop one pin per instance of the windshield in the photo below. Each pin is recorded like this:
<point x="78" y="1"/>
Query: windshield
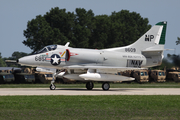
<point x="29" y="76"/>
<point x="142" y="74"/>
<point x="160" y="73"/>
<point x="51" y="47"/>
<point x="48" y="75"/>
<point x="48" y="48"/>
<point x="145" y="73"/>
<point x="43" y="50"/>
<point x="163" y="73"/>
<point x="8" y="76"/>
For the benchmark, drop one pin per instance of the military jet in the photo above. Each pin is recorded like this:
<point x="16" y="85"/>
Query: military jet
<point x="101" y="65"/>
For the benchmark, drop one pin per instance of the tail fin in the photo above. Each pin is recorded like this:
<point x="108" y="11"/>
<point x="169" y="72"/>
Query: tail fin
<point x="152" y="40"/>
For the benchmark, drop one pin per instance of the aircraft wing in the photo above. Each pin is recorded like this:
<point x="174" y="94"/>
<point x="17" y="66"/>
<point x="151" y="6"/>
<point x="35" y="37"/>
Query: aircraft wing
<point x="103" y="73"/>
<point x="103" y="68"/>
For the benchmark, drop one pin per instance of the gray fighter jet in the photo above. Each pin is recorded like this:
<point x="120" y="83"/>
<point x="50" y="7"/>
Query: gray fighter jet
<point x="101" y="65"/>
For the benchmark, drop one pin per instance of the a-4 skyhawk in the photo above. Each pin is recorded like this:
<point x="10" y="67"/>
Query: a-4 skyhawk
<point x="101" y="65"/>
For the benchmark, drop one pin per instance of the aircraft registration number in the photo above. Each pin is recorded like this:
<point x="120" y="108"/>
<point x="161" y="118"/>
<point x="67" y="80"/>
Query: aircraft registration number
<point x="40" y="58"/>
<point x="130" y="49"/>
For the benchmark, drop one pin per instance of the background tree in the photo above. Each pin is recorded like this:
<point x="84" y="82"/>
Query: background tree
<point x="178" y="41"/>
<point x="126" y="28"/>
<point x="16" y="55"/>
<point x="62" y="24"/>
<point x="175" y="59"/>
<point x="39" y="34"/>
<point x="83" y="29"/>
<point x="2" y="63"/>
<point x="99" y="36"/>
<point x="165" y="64"/>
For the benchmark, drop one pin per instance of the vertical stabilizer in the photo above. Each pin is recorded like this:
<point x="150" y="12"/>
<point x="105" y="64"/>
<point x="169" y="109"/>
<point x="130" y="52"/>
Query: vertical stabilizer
<point x="152" y="40"/>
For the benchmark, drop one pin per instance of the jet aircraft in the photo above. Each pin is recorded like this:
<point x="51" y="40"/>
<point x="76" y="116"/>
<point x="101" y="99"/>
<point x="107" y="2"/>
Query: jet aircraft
<point x="101" y="65"/>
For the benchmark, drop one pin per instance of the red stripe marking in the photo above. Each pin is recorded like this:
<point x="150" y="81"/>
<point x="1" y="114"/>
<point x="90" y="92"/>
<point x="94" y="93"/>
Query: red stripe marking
<point x="63" y="60"/>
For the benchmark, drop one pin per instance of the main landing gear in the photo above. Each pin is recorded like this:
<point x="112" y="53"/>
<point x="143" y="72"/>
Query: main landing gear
<point x="90" y="86"/>
<point x="105" y="86"/>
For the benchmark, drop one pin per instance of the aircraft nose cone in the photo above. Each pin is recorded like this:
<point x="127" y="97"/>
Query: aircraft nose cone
<point x="21" y="60"/>
<point x="27" y="61"/>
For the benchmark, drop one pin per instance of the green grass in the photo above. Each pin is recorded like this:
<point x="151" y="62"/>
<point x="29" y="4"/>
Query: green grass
<point x="96" y="85"/>
<point x="89" y="107"/>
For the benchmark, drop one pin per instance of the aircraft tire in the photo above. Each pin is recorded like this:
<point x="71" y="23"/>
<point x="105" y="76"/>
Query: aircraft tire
<point x="105" y="86"/>
<point x="89" y="85"/>
<point x="52" y="87"/>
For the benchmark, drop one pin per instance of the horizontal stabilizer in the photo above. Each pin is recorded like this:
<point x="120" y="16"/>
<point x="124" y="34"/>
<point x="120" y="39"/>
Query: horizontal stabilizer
<point x="155" y="50"/>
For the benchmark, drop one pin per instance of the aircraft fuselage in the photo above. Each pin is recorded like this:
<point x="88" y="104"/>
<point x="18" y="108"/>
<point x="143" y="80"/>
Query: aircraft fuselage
<point x="74" y="56"/>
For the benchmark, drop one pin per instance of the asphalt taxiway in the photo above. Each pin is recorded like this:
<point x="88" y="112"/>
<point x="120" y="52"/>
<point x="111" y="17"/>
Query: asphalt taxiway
<point x="84" y="91"/>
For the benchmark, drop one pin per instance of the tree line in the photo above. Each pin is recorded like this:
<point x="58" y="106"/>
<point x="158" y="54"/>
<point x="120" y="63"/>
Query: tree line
<point x="15" y="55"/>
<point x="84" y="30"/>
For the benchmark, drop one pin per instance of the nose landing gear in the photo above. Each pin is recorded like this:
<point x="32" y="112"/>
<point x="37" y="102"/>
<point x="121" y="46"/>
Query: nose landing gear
<point x="52" y="86"/>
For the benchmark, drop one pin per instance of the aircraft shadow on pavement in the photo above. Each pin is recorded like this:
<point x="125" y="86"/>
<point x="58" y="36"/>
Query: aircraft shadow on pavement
<point x="95" y="89"/>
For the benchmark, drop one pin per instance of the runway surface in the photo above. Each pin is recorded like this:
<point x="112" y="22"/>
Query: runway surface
<point x="95" y="91"/>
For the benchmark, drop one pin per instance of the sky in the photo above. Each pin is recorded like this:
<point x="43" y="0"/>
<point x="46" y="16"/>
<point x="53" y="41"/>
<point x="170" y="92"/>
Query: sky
<point x="14" y="15"/>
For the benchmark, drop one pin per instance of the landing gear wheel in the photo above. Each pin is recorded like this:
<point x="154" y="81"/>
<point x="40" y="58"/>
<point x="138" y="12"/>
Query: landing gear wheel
<point x="89" y="85"/>
<point x="105" y="86"/>
<point x="52" y="87"/>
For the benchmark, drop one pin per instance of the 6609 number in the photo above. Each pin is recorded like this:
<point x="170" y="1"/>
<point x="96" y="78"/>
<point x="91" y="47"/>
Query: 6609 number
<point x="130" y="49"/>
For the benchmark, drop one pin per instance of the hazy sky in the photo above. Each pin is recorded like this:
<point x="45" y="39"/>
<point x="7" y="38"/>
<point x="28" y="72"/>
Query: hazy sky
<point x="14" y="15"/>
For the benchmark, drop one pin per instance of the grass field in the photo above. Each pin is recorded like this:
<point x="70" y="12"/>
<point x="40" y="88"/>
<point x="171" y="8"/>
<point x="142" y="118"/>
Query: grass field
<point x="151" y="107"/>
<point x="96" y="85"/>
<point x="89" y="107"/>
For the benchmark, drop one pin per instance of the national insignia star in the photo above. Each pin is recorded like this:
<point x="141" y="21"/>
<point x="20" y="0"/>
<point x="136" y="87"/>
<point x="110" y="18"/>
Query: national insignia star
<point x="55" y="60"/>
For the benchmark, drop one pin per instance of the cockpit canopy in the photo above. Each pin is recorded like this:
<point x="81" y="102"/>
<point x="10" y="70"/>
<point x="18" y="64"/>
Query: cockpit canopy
<point x="47" y="49"/>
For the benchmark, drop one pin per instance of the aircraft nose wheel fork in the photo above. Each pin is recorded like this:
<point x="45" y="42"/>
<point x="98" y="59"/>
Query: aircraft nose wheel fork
<point x="52" y="87"/>
<point x="105" y="86"/>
